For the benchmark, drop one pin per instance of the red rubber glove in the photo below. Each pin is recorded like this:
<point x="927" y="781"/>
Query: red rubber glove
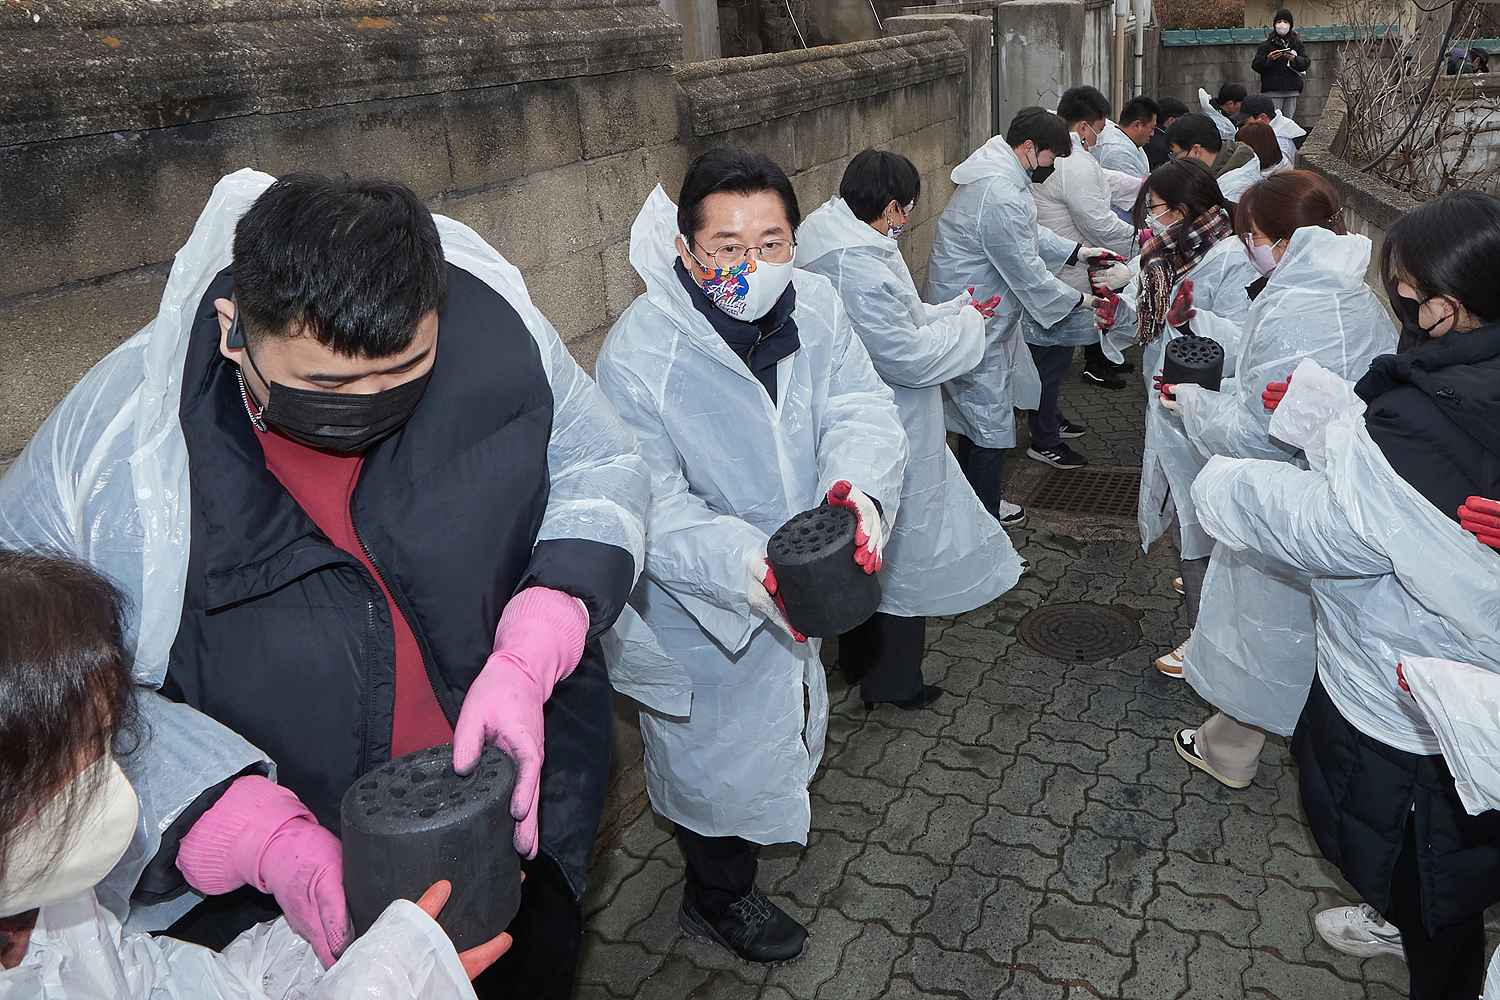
<point x="987" y="307"/>
<point x="764" y="595"/>
<point x="261" y="834"/>
<point x="1107" y="303"/>
<point x="869" y="533"/>
<point x="1481" y="517"/>
<point x="1274" y="393"/>
<point x="1401" y="677"/>
<point x="1181" y="311"/>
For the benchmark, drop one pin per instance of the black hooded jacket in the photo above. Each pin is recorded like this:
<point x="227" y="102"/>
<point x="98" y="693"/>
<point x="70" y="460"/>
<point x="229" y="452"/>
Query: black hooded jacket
<point x="1281" y="75"/>
<point x="1435" y="413"/>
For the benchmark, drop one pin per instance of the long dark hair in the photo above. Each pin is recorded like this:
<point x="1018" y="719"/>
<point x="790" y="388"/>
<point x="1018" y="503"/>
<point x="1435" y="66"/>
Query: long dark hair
<point x="1187" y="186"/>
<point x="66" y="692"/>
<point x="1447" y="246"/>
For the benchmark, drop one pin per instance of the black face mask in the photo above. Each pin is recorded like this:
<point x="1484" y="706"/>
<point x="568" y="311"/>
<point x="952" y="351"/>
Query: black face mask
<point x="1040" y="174"/>
<point x="1413" y="334"/>
<point x="340" y="422"/>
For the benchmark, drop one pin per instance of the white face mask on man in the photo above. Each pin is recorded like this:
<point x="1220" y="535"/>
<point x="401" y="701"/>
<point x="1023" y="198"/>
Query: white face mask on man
<point x="39" y="870"/>
<point x="747" y="290"/>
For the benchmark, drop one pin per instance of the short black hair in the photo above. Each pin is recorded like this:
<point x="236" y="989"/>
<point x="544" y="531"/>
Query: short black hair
<point x="1170" y="107"/>
<point x="353" y="263"/>
<point x="874" y="179"/>
<point x="1045" y="130"/>
<point x="66" y="690"/>
<point x="1196" y="129"/>
<point x="1230" y="92"/>
<point x="1447" y="246"/>
<point x="1139" y="109"/>
<point x="1258" y="104"/>
<point x="737" y="171"/>
<point x="1082" y="104"/>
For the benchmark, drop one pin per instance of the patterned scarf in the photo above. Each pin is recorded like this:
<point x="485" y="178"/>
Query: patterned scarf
<point x="1165" y="259"/>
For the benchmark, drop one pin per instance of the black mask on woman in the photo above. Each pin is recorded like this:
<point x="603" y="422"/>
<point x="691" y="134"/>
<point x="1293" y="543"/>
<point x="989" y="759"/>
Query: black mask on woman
<point x="341" y="422"/>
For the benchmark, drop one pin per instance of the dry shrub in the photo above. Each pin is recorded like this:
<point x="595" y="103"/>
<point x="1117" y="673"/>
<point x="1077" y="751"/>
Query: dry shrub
<point x="1200" y="13"/>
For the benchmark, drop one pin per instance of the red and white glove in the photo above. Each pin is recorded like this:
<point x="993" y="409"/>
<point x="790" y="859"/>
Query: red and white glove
<point x="869" y="533"/>
<point x="1481" y="517"/>
<point x="1181" y="312"/>
<point x="1401" y="678"/>
<point x="1274" y="393"/>
<point x="1105" y="307"/>
<point x="1166" y="394"/>
<point x="987" y="307"/>
<point x="764" y="595"/>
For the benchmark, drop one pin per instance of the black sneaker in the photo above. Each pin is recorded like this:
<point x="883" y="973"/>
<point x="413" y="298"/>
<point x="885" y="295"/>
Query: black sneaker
<point x="1119" y="368"/>
<point x="1106" y="379"/>
<point x="1070" y="430"/>
<point x="1061" y="457"/>
<point x="929" y="694"/>
<point x="755" y="929"/>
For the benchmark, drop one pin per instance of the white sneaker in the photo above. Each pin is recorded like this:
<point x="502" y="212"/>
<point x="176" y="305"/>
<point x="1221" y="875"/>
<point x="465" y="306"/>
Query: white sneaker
<point x="1359" y="931"/>
<point x="1177" y="585"/>
<point x="1012" y="515"/>
<point x="1171" y="663"/>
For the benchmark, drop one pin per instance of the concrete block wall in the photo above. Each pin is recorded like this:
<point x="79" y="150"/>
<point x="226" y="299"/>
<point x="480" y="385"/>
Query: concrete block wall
<point x="544" y="129"/>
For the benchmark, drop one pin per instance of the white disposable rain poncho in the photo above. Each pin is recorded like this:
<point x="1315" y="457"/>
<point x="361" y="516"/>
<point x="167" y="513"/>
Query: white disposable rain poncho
<point x="1169" y="463"/>
<point x="1392" y="576"/>
<point x="1286" y="132"/>
<point x="1221" y="121"/>
<point x="946" y="554"/>
<point x="729" y="467"/>
<point x="988" y="239"/>
<point x="1252" y="653"/>
<point x="78" y="951"/>
<point x="1234" y="183"/>
<point x="1075" y="204"/>
<point x="1462" y="704"/>
<point x="1117" y="151"/>
<point x="105" y="479"/>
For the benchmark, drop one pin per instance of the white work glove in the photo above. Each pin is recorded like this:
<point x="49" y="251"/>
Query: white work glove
<point x="1086" y="254"/>
<point x="869" y="533"/>
<point x="954" y="305"/>
<point x="762" y="593"/>
<point x="1114" y="277"/>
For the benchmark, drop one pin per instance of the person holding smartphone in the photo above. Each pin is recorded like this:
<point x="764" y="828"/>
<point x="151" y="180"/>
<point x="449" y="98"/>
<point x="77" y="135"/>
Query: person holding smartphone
<point x="1282" y="63"/>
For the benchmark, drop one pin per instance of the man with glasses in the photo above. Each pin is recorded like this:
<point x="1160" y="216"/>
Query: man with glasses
<point x="753" y="401"/>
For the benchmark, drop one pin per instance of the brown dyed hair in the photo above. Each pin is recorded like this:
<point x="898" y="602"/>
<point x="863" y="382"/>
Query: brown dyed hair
<point x="1286" y="202"/>
<point x="1262" y="139"/>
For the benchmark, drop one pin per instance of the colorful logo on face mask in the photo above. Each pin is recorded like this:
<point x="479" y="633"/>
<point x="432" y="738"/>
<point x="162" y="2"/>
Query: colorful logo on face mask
<point x="727" y="287"/>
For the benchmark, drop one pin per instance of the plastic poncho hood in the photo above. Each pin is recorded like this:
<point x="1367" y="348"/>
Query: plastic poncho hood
<point x="729" y="466"/>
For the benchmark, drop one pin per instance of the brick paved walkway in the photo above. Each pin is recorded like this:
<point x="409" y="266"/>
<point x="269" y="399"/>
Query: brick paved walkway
<point x="1032" y="835"/>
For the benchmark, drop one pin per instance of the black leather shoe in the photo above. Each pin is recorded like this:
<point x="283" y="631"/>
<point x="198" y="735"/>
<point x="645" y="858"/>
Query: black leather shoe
<point x="1119" y="368"/>
<point x="929" y="694"/>
<point x="1107" y="379"/>
<point x="755" y="929"/>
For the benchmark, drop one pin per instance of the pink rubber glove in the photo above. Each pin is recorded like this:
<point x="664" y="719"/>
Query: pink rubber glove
<point x="261" y="834"/>
<point x="538" y="642"/>
<point x="869" y="532"/>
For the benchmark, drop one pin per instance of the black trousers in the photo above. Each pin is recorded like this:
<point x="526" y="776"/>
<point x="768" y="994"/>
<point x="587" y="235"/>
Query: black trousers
<point x="884" y="655"/>
<point x="720" y="870"/>
<point x="1445" y="966"/>
<point x="1052" y="364"/>
<point x="1094" y="359"/>
<point x="983" y="468"/>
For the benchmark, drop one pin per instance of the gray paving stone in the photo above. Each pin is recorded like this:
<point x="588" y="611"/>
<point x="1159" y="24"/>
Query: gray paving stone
<point x="826" y="937"/>
<point x="1088" y="923"/>
<point x="1085" y="865"/>
<point x="879" y="866"/>
<point x="948" y="833"/>
<point x="1018" y="861"/>
<point x="903" y="755"/>
<point x="1191" y="875"/>
<point x="1285" y="920"/>
<point x="956" y="973"/>
<point x="906" y="820"/>
<point x="1161" y="971"/>
<point x="956" y="906"/>
<point x="867" y="903"/>
<point x="1005" y="921"/>
<point x="1203" y="914"/>
<point x="636" y="899"/>
<point x="865" y="972"/>
<point x="936" y="779"/>
<point x="1282" y="979"/>
<point x="819" y="869"/>
<point x="1090" y="964"/>
<point x="619" y="967"/>
<point x="1132" y="876"/>
<point x="1215" y="970"/>
<point x="1025" y="986"/>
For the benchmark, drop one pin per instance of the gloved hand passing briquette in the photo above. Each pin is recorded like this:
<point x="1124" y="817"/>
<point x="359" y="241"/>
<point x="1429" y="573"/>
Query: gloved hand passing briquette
<point x="1112" y="278"/>
<point x="1105" y="307"/>
<point x="1274" y="393"/>
<point x="260" y="834"/>
<point x="1166" y="394"/>
<point x="481" y="956"/>
<point x="987" y="307"/>
<point x="869" y="533"/>
<point x="538" y="643"/>
<point x="1481" y="517"/>
<point x="1181" y="312"/>
<point x="765" y="597"/>
<point x="1099" y="254"/>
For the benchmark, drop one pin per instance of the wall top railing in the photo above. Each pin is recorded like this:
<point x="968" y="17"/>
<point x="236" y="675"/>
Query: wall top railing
<point x="1254" y="36"/>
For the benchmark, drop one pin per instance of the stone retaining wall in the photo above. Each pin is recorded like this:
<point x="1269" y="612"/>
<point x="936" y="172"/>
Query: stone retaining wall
<point x="541" y="123"/>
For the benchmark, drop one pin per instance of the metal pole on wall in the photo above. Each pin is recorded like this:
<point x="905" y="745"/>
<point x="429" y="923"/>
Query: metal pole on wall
<point x="1142" y="15"/>
<point x="1117" y="84"/>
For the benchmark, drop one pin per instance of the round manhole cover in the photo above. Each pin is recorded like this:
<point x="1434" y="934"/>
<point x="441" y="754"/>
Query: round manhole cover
<point x="1079" y="632"/>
